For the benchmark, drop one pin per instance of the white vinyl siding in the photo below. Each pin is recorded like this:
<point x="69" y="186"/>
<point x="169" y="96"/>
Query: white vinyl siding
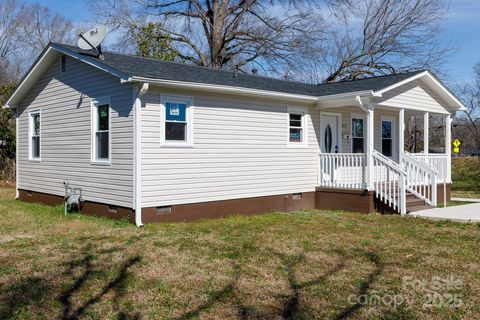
<point x="413" y="95"/>
<point x="240" y="151"/>
<point x="64" y="100"/>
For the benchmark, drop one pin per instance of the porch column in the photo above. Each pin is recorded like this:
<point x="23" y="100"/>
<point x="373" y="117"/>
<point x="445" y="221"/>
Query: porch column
<point x="369" y="146"/>
<point x="425" y="135"/>
<point x="448" y="146"/>
<point x="401" y="134"/>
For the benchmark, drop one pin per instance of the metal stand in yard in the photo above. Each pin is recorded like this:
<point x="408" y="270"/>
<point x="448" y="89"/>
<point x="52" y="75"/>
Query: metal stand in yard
<point x="73" y="197"/>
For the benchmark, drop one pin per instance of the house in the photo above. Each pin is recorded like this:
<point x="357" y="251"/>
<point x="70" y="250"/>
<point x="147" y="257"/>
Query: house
<point x="160" y="141"/>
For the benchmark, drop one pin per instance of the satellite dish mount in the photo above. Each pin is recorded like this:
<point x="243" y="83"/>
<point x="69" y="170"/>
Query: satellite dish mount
<point x="92" y="40"/>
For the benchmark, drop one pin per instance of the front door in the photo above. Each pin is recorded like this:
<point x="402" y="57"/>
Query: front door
<point x="329" y="139"/>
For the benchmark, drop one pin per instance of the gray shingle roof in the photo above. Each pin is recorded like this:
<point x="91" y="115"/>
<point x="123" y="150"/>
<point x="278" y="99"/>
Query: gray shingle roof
<point x="155" y="69"/>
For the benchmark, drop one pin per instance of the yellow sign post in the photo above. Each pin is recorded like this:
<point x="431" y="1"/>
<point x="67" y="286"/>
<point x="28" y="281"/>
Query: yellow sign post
<point x="456" y="145"/>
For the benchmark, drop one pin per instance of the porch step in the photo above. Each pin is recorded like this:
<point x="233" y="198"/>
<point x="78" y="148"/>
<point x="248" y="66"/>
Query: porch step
<point x="418" y="207"/>
<point x="412" y="202"/>
<point x="415" y="204"/>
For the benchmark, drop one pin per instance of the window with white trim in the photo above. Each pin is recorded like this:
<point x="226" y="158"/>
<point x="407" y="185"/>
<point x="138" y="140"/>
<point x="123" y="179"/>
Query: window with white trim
<point x="358" y="138"/>
<point x="296" y="127"/>
<point x="101" y="130"/>
<point x="177" y="126"/>
<point x="35" y="134"/>
<point x="387" y="137"/>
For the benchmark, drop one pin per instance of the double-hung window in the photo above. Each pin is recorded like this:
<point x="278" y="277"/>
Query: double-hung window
<point x="34" y="133"/>
<point x="177" y="126"/>
<point x="296" y="127"/>
<point x="387" y="137"/>
<point x="101" y="130"/>
<point x="358" y="138"/>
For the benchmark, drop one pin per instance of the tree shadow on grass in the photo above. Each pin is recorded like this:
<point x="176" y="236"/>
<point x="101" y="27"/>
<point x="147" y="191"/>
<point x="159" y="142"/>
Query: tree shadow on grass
<point x="364" y="287"/>
<point x="292" y="308"/>
<point x="28" y="291"/>
<point x="226" y="292"/>
<point x="35" y="291"/>
<point x="117" y="285"/>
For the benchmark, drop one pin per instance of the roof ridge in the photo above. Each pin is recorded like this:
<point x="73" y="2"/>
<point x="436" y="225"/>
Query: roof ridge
<point x="194" y="65"/>
<point x="376" y="77"/>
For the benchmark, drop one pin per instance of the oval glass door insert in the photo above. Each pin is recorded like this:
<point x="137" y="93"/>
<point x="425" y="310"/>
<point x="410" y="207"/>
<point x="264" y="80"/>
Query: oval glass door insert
<point x="328" y="139"/>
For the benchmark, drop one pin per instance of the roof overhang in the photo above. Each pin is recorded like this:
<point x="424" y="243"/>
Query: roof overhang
<point x="359" y="98"/>
<point x="213" y="88"/>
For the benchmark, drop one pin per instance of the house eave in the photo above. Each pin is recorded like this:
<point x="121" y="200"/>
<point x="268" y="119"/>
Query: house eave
<point x="213" y="88"/>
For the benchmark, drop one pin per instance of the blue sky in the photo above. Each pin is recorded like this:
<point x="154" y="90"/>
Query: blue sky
<point x="462" y="26"/>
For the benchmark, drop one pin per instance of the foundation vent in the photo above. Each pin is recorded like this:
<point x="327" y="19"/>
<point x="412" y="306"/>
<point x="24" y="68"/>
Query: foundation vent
<point x="164" y="209"/>
<point x="297" y="196"/>
<point x="113" y="209"/>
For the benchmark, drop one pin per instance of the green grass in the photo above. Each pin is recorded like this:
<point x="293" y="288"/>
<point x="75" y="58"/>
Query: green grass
<point x="302" y="265"/>
<point x="466" y="177"/>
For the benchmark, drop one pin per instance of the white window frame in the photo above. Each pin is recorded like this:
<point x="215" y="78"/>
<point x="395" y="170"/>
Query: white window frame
<point x="30" y="136"/>
<point x="392" y="121"/>
<point x="93" y="121"/>
<point x="304" y="113"/>
<point x="363" y="117"/>
<point x="188" y="143"/>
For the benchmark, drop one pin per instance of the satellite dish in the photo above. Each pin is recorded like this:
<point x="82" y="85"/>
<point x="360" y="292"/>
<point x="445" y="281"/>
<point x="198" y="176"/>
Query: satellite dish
<point x="92" y="39"/>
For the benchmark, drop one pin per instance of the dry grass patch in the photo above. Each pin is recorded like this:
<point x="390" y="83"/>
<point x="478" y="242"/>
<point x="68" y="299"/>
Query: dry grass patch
<point x="304" y="265"/>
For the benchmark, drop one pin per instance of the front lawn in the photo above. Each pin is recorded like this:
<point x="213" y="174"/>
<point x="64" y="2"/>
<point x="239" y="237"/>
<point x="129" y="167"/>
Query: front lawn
<point x="303" y="265"/>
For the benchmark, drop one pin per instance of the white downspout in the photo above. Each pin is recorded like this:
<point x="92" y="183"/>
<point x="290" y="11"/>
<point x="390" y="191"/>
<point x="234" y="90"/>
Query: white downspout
<point x="137" y="169"/>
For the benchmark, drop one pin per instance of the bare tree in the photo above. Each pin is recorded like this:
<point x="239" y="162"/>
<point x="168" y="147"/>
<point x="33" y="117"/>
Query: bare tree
<point x="468" y="126"/>
<point x="377" y="37"/>
<point x="221" y="33"/>
<point x="12" y="17"/>
<point x="44" y="26"/>
<point x="25" y="29"/>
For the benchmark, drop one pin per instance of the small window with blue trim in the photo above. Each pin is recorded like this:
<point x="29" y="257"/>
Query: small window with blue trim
<point x="177" y="120"/>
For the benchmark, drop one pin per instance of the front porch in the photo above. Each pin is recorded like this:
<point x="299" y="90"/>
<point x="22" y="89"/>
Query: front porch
<point x="372" y="131"/>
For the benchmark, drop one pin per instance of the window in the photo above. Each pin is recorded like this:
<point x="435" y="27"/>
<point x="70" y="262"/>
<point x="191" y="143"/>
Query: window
<point x="358" y="141"/>
<point x="101" y="130"/>
<point x="177" y="117"/>
<point x="296" y="127"/>
<point x="34" y="133"/>
<point x="387" y="137"/>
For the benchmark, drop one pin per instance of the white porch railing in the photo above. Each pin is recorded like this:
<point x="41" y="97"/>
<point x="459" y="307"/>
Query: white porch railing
<point x="342" y="170"/>
<point x="389" y="182"/>
<point x="421" y="178"/>
<point x="439" y="161"/>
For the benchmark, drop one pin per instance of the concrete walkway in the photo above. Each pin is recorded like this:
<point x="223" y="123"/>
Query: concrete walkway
<point x="462" y="213"/>
<point x="465" y="200"/>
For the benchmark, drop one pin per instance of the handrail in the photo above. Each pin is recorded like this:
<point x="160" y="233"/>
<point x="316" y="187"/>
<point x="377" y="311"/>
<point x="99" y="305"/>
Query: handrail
<point x="424" y="165"/>
<point x="438" y="161"/>
<point x="421" y="179"/>
<point x="389" y="182"/>
<point x="388" y="161"/>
